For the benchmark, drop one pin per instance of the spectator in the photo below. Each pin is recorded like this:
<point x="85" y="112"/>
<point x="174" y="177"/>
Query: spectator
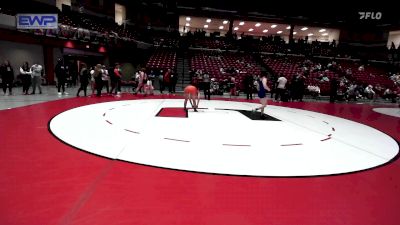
<point x="389" y="94"/>
<point x="314" y="90"/>
<point x="92" y="80"/>
<point x="61" y="73"/>
<point x="369" y="92"/>
<point x="98" y="75"/>
<point x="105" y="78"/>
<point x="349" y="72"/>
<point x="36" y="78"/>
<point x="334" y="90"/>
<point x="167" y="79"/>
<point x="115" y="77"/>
<point x="248" y="86"/>
<point x="324" y="78"/>
<point x="161" y="81"/>
<point x="192" y="74"/>
<point x="281" y="87"/>
<point x="173" y="81"/>
<point x="7" y="77"/>
<point x="26" y="78"/>
<point x="83" y="79"/>
<point x="352" y="92"/>
<point x="232" y="86"/>
<point x="206" y="86"/>
<point x="298" y="87"/>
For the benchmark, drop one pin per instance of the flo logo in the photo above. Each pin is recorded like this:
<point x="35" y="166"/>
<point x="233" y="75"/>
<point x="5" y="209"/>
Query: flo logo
<point x="370" y="15"/>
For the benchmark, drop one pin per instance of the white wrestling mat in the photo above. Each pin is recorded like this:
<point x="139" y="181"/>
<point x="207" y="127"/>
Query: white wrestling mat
<point x="223" y="140"/>
<point x="388" y="111"/>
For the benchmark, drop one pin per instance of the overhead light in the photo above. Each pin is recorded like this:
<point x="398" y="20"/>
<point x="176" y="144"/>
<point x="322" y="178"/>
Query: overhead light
<point x="273" y="25"/>
<point x="310" y="34"/>
<point x="304" y="28"/>
<point x="288" y="28"/>
<point x="225" y="22"/>
<point x="251" y="29"/>
<point x="322" y="30"/>
<point x="279" y="32"/>
<point x="221" y="27"/>
<point x="295" y="32"/>
<point x="324" y="34"/>
<point x="206" y="26"/>
<point x="208" y="20"/>
<point x="265" y="31"/>
<point x="188" y="24"/>
<point x="241" y="23"/>
<point x="236" y="28"/>
<point x="187" y="18"/>
<point x="258" y="24"/>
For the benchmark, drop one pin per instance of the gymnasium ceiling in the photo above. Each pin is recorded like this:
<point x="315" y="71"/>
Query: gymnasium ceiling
<point x="320" y="13"/>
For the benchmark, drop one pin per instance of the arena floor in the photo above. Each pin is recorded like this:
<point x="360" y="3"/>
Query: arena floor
<point x="144" y="160"/>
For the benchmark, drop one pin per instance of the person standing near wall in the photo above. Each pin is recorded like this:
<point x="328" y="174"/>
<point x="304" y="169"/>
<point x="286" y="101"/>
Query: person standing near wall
<point x="115" y="76"/>
<point x="61" y="74"/>
<point x="92" y="80"/>
<point x="84" y="77"/>
<point x="333" y="91"/>
<point x="106" y="79"/>
<point x="7" y="77"/>
<point x="281" y="87"/>
<point x="173" y="81"/>
<point x="161" y="81"/>
<point x="36" y="78"/>
<point x="167" y="80"/>
<point x="98" y="74"/>
<point x="248" y="86"/>
<point x="26" y="79"/>
<point x="206" y="86"/>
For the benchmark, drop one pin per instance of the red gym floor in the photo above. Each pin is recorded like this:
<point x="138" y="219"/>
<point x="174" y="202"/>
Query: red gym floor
<point x="43" y="181"/>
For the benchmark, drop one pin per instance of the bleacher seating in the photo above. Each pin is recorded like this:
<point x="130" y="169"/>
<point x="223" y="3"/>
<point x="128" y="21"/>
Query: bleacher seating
<point x="233" y="64"/>
<point x="162" y="59"/>
<point x="291" y="65"/>
<point x="213" y="43"/>
<point x="370" y="75"/>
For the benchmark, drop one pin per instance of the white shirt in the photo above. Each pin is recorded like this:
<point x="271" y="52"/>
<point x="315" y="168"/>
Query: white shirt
<point x="25" y="72"/>
<point x="282" y="82"/>
<point x="314" y="89"/>
<point x="369" y="90"/>
<point x="36" y="70"/>
<point x="104" y="75"/>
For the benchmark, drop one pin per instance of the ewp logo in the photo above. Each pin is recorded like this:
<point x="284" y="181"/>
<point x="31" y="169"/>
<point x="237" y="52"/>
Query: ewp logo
<point x="37" y="21"/>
